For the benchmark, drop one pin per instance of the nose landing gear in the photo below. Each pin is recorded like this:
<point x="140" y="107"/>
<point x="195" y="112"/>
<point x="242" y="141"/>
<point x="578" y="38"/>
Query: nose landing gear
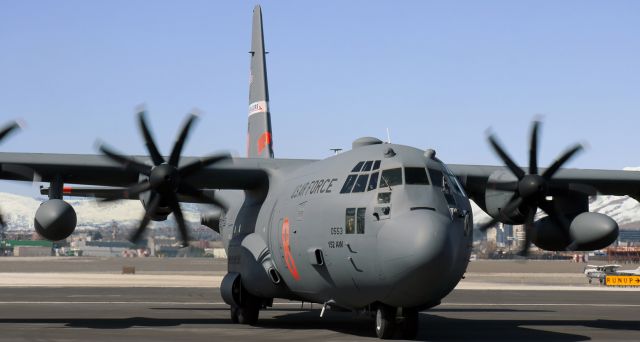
<point x="388" y="322"/>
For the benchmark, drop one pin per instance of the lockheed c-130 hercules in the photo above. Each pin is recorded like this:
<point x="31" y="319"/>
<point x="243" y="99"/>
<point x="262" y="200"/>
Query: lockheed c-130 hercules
<point x="383" y="229"/>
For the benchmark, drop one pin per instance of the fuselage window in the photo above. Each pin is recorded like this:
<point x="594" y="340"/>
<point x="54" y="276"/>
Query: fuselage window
<point x="373" y="181"/>
<point x="416" y="175"/>
<point x="360" y="220"/>
<point x="357" y="167"/>
<point x="348" y="184"/>
<point x="367" y="166"/>
<point x="361" y="183"/>
<point x="391" y="177"/>
<point x="376" y="165"/>
<point x="384" y="197"/>
<point x="350" y="221"/>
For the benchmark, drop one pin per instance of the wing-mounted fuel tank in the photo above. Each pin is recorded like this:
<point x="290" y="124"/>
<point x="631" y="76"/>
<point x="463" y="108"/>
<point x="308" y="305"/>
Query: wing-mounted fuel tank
<point x="587" y="232"/>
<point x="55" y="219"/>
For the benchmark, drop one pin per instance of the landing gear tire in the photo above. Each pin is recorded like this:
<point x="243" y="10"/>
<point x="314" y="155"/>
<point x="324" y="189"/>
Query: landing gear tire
<point x="234" y="315"/>
<point x="410" y="323"/>
<point x="248" y="314"/>
<point x="385" y="321"/>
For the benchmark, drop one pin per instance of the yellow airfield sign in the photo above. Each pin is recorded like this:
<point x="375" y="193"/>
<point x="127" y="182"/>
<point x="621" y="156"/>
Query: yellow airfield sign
<point x="621" y="280"/>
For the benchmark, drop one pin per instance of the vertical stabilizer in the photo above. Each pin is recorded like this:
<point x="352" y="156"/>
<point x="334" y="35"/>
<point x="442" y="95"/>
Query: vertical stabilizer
<point x="260" y="140"/>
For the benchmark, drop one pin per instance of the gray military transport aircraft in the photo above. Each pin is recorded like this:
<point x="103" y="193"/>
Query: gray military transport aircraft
<point x="383" y="229"/>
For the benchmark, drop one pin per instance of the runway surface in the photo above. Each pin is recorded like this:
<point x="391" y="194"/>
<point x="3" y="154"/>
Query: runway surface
<point x="185" y="313"/>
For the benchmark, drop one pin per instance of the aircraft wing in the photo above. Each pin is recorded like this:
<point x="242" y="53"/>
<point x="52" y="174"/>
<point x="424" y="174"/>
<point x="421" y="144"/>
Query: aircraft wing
<point x="236" y="173"/>
<point x="607" y="182"/>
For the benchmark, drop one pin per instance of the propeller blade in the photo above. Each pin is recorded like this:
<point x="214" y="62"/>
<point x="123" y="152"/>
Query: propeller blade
<point x="513" y="204"/>
<point x="10" y="128"/>
<point x="528" y="228"/>
<point x="533" y="149"/>
<point x="127" y="193"/>
<point x="177" y="147"/>
<point x="557" y="217"/>
<point x="505" y="158"/>
<point x="148" y="139"/>
<point x="2" y="223"/>
<point x="182" y="225"/>
<point x="126" y="162"/>
<point x="153" y="205"/>
<point x="572" y="189"/>
<point x="200" y="195"/>
<point x="199" y="164"/>
<point x="548" y="173"/>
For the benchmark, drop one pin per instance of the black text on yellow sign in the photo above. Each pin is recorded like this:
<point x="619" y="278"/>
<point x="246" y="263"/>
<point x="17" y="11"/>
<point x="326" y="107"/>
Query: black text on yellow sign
<point x="623" y="280"/>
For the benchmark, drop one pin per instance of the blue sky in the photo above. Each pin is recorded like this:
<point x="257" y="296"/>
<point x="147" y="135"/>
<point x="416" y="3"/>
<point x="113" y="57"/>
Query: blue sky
<point x="436" y="73"/>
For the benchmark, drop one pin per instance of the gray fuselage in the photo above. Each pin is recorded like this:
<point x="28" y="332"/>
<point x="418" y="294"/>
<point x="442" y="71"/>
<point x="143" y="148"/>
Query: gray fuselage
<point x="401" y="238"/>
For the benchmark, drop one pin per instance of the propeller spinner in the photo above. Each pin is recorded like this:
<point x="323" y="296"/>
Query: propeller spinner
<point x="531" y="189"/>
<point x="165" y="179"/>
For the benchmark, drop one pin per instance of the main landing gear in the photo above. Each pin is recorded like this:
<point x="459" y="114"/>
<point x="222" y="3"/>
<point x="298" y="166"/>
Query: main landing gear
<point x="248" y="310"/>
<point x="387" y="322"/>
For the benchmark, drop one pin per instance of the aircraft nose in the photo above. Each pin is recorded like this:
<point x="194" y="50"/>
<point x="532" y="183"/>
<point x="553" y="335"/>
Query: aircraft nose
<point x="417" y="257"/>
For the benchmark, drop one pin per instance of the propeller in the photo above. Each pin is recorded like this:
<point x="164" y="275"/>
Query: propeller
<point x="4" y="132"/>
<point x="165" y="179"/>
<point x="531" y="188"/>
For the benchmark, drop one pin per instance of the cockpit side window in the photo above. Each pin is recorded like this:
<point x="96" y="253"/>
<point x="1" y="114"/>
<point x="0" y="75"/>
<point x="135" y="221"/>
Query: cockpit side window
<point x="436" y="177"/>
<point x="416" y="175"/>
<point x="391" y="177"/>
<point x="367" y="166"/>
<point x="454" y="180"/>
<point x="376" y="165"/>
<point x="348" y="184"/>
<point x="358" y="167"/>
<point x="373" y="181"/>
<point x="361" y="183"/>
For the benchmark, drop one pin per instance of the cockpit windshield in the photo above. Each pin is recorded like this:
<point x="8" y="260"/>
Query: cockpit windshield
<point x="391" y="177"/>
<point x="416" y="175"/>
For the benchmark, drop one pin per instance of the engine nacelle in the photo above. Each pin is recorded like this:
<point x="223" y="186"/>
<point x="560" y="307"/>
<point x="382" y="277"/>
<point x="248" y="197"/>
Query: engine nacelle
<point x="589" y="231"/>
<point x="55" y="220"/>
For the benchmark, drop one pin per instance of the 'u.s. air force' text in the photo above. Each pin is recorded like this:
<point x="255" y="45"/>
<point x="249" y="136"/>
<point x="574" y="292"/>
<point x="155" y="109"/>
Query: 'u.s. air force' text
<point x="320" y="186"/>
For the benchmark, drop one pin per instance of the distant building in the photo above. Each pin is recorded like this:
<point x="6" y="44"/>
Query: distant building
<point x="629" y="237"/>
<point x="29" y="248"/>
<point x="101" y="248"/>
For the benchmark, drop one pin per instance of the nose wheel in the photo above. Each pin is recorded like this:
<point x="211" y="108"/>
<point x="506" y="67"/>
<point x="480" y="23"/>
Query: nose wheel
<point x="385" y="321"/>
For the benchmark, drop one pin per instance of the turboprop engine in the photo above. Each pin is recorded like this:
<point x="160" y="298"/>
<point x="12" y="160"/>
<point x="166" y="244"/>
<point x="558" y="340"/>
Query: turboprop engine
<point x="516" y="196"/>
<point x="55" y="220"/>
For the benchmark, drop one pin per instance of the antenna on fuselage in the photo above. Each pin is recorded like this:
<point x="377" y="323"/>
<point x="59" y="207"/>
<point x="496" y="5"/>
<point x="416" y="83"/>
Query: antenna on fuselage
<point x="335" y="151"/>
<point x="388" y="136"/>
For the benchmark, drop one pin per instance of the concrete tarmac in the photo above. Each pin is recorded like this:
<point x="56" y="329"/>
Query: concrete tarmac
<point x="159" y="313"/>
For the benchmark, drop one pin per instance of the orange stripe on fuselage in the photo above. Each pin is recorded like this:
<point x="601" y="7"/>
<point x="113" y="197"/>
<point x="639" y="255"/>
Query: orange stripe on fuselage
<point x="286" y="246"/>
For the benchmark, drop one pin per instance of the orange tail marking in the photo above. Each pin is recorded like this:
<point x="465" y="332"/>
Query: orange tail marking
<point x="264" y="141"/>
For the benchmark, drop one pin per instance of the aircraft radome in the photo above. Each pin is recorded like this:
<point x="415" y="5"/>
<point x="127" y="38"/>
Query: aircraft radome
<point x="382" y="229"/>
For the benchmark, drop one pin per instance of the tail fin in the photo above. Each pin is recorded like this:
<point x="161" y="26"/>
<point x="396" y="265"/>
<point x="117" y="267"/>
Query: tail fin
<point x="260" y="143"/>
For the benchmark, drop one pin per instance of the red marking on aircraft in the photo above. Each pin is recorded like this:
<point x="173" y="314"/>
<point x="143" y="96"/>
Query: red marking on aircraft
<point x="288" y="257"/>
<point x="264" y="141"/>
